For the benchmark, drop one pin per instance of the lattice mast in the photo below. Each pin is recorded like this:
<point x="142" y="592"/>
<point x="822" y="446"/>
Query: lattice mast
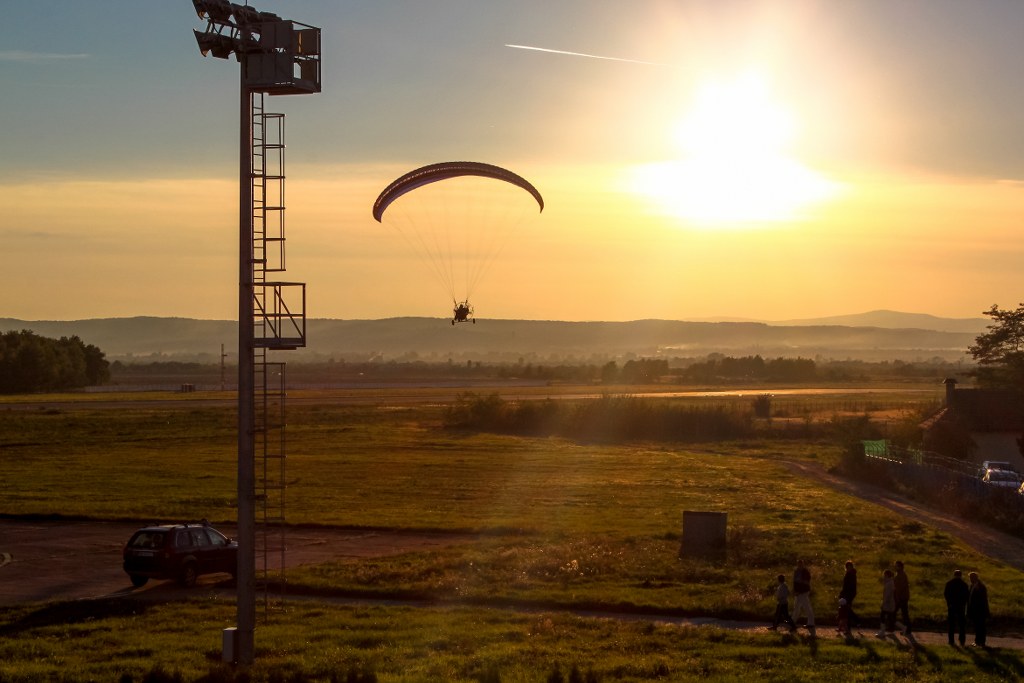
<point x="277" y="57"/>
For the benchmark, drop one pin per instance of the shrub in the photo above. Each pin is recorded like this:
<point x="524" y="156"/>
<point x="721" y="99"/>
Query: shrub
<point x="479" y="412"/>
<point x="609" y="418"/>
<point x="762" y="406"/>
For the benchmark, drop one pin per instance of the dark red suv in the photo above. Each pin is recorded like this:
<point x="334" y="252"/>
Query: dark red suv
<point x="178" y="551"/>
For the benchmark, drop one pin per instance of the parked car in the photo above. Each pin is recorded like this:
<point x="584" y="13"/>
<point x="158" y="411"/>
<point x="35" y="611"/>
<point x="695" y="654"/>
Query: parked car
<point x="1002" y="479"/>
<point x="995" y="465"/>
<point x="178" y="551"/>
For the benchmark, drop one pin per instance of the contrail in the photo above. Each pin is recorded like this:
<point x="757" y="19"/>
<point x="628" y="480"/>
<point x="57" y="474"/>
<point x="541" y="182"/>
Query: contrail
<point x="583" y="54"/>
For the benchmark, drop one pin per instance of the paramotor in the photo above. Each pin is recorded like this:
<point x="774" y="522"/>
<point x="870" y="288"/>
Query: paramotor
<point x="458" y="218"/>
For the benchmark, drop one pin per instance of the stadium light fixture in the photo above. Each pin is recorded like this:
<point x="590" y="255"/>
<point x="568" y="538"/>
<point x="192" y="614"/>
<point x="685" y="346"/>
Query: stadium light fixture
<point x="279" y="56"/>
<point x="214" y="10"/>
<point x="215" y="44"/>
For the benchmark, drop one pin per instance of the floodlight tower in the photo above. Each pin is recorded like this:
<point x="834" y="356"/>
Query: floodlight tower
<point x="277" y="57"/>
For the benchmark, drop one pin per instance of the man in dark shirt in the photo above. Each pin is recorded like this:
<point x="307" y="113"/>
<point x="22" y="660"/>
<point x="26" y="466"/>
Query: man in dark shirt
<point x="977" y="609"/>
<point x="956" y="593"/>
<point x="849" y="592"/>
<point x="902" y="596"/>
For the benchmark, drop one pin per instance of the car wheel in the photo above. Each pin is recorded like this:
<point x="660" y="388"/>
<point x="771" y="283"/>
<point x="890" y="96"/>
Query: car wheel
<point x="188" y="575"/>
<point x="139" y="581"/>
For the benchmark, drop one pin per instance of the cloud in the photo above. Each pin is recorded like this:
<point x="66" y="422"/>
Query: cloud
<point x="27" y="57"/>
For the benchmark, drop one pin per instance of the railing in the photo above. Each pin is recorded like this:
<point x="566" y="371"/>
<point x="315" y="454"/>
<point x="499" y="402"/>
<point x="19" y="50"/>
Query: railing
<point x="278" y="325"/>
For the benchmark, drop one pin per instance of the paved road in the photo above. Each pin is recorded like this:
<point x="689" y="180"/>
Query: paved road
<point x="991" y="542"/>
<point x="72" y="560"/>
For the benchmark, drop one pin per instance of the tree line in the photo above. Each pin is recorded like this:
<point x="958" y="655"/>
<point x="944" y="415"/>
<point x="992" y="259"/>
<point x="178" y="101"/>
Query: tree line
<point x="30" y="363"/>
<point x="710" y="369"/>
<point x="752" y="367"/>
<point x="1000" y="351"/>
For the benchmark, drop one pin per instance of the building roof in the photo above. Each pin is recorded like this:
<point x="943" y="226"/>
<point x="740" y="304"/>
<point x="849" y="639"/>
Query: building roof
<point x="984" y="410"/>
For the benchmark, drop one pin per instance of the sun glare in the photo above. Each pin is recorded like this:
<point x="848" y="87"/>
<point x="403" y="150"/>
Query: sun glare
<point x="734" y="169"/>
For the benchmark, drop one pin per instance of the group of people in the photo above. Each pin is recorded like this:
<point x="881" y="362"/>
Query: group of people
<point x="963" y="602"/>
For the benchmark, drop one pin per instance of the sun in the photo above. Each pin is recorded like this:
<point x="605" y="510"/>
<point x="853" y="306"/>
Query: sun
<point x="735" y="168"/>
<point x="737" y="119"/>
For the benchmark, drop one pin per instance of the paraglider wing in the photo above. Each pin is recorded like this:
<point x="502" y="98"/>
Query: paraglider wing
<point x="457" y="219"/>
<point x="442" y="171"/>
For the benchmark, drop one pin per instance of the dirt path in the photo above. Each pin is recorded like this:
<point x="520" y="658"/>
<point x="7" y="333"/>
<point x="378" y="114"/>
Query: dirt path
<point x="42" y="561"/>
<point x="68" y="560"/>
<point x="987" y="541"/>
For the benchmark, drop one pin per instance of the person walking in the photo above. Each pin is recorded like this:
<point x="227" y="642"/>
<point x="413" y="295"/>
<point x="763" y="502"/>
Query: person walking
<point x="902" y="596"/>
<point x="848" y="592"/>
<point x="956" y="593"/>
<point x="782" y="605"/>
<point x="888" y="615"/>
<point x="802" y="595"/>
<point x="977" y="609"/>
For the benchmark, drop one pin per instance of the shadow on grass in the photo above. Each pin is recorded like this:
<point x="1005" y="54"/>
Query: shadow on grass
<point x="994" y="661"/>
<point x="811" y="641"/>
<point x="870" y="647"/>
<point x="75" y="612"/>
<point x="925" y="653"/>
<point x="797" y="638"/>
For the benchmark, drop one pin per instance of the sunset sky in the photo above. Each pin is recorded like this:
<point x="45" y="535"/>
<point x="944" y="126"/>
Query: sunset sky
<point x="698" y="158"/>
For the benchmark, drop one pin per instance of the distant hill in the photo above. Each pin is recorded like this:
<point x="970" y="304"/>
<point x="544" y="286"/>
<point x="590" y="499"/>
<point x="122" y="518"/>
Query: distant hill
<point x="897" y="320"/>
<point x="879" y="335"/>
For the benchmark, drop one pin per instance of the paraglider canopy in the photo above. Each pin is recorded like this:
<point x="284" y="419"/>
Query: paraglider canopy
<point x="458" y="215"/>
<point x="433" y="173"/>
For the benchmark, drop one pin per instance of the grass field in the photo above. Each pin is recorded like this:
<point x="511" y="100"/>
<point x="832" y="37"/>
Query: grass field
<point x="560" y="523"/>
<point x="128" y="640"/>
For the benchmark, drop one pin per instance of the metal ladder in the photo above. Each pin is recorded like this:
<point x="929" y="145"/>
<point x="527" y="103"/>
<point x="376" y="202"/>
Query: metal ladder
<point x="276" y="327"/>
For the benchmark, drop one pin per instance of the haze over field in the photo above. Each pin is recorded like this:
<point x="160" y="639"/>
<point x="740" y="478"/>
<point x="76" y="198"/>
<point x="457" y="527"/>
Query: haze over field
<point x="768" y="160"/>
<point x="509" y="341"/>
